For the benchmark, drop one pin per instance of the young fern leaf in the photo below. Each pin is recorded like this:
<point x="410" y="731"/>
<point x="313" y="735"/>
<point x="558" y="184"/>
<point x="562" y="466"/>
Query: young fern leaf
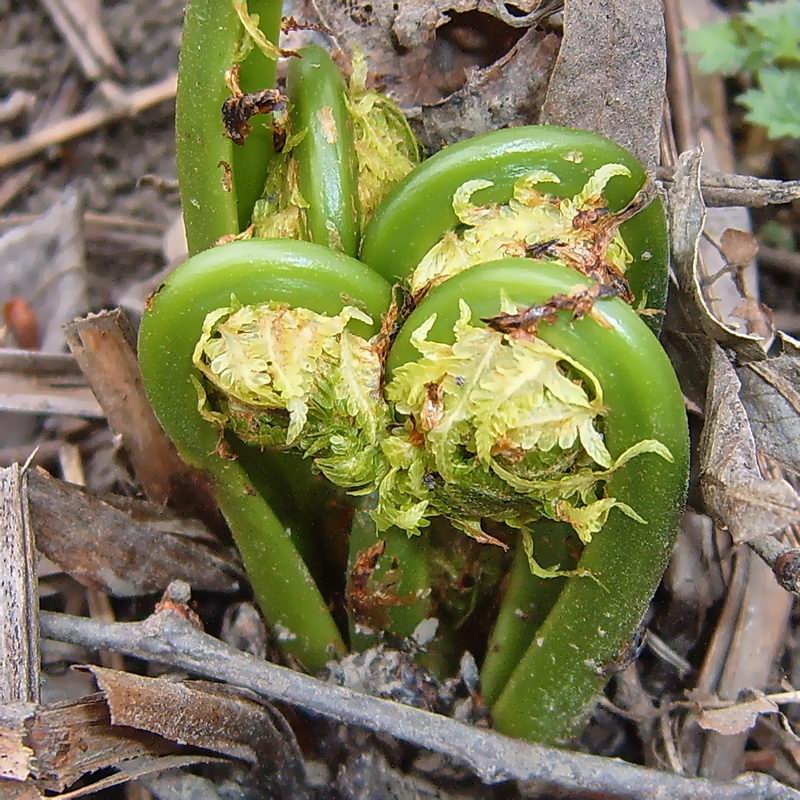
<point x="385" y="145"/>
<point x="497" y="427"/>
<point x="490" y="426"/>
<point x="530" y="218"/>
<point x="288" y="378"/>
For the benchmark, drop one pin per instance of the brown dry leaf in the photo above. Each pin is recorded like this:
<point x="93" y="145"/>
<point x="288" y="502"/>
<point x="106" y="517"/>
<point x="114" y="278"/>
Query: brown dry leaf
<point x="74" y="738"/>
<point x="610" y="74"/>
<point x="736" y="718"/>
<point x="505" y="94"/>
<point x="687" y="213"/>
<point x="757" y="318"/>
<point x="210" y="716"/>
<point x="735" y="494"/>
<point x="738" y="247"/>
<point x="457" y="67"/>
<point x="771" y="395"/>
<point x="123" y="546"/>
<point x="138" y="768"/>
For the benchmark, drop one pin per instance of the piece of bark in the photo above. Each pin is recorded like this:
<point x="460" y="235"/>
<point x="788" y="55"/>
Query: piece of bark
<point x="16" y="754"/>
<point x="19" y="601"/>
<point x="611" y="72"/>
<point x="104" y="345"/>
<point x="133" y="547"/>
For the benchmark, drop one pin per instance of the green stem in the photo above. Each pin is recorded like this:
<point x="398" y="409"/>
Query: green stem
<point x="327" y="170"/>
<point x="526" y="602"/>
<point x="406" y="556"/>
<point x="295" y="273"/>
<point x="219" y="181"/>
<point x="251" y="160"/>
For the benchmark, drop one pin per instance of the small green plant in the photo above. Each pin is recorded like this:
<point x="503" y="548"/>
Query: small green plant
<point x="381" y="318"/>
<point x="762" y="43"/>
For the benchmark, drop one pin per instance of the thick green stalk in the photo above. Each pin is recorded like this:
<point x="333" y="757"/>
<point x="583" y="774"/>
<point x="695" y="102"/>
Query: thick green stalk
<point x="219" y="181"/>
<point x="526" y="602"/>
<point x="594" y="619"/>
<point x="327" y="170"/>
<point x="376" y="601"/>
<point x="251" y="160"/>
<point x="295" y="273"/>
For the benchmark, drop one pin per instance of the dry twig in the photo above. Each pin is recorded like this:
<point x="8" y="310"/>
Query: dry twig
<point x="168" y="638"/>
<point x="722" y="189"/>
<point x="80" y="25"/>
<point x="129" y="106"/>
<point x="44" y="383"/>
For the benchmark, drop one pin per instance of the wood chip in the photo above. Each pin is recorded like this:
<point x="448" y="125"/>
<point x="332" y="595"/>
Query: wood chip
<point x="104" y="346"/>
<point x="76" y="737"/>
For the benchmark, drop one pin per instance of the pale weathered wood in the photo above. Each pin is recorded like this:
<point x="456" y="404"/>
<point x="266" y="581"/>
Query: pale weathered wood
<point x="44" y="383"/>
<point x="19" y="602"/>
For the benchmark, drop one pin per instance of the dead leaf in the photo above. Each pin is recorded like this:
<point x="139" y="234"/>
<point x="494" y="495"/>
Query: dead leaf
<point x="44" y="261"/>
<point x="739" y="248"/>
<point x="507" y="93"/>
<point x="211" y="716"/>
<point x="771" y="394"/>
<point x="735" y="494"/>
<point x="756" y="316"/>
<point x="457" y="67"/>
<point x="138" y="768"/>
<point x="603" y="85"/>
<point x="737" y="718"/>
<point x="687" y="213"/>
<point x="73" y="738"/>
<point x="135" y="547"/>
